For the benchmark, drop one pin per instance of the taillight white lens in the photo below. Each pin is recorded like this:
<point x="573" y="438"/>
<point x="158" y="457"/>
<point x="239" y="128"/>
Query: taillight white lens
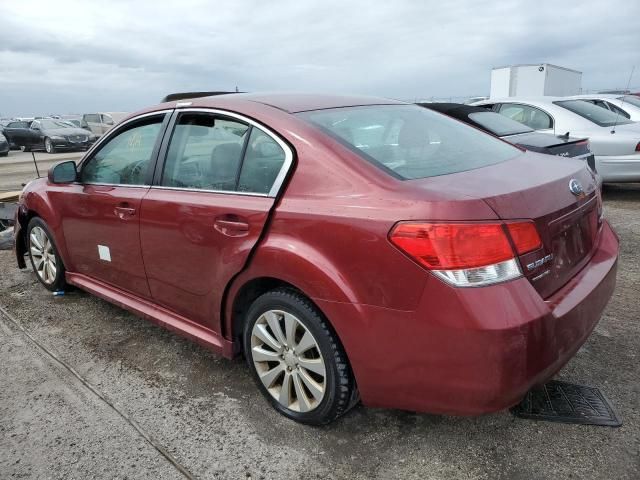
<point x="476" y="277"/>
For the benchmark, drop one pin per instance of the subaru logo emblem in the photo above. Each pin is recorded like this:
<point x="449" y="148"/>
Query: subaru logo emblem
<point x="575" y="187"/>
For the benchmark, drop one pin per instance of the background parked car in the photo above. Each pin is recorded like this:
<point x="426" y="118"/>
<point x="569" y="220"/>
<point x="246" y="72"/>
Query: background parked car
<point x="49" y="135"/>
<point x="627" y="106"/>
<point x="14" y="132"/>
<point x="100" y="123"/>
<point x="614" y="140"/>
<point x="516" y="132"/>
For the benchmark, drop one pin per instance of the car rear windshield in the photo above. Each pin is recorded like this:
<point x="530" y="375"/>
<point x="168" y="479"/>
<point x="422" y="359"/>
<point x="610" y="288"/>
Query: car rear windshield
<point x="632" y="99"/>
<point x="598" y="115"/>
<point x="499" y="124"/>
<point x="409" y="141"/>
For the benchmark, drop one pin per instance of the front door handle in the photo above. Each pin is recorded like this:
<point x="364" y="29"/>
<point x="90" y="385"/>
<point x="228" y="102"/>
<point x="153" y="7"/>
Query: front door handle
<point x="231" y="226"/>
<point x="123" y="212"/>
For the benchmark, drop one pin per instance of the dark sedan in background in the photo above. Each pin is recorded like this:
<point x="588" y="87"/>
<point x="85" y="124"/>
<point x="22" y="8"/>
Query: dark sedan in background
<point x="516" y="132"/>
<point x="48" y="134"/>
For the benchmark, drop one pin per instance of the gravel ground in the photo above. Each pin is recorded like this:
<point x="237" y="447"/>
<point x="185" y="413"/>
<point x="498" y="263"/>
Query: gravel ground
<point x="207" y="414"/>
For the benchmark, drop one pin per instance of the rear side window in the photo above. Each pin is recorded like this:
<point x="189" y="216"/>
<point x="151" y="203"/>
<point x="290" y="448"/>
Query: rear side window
<point x="530" y="116"/>
<point x="92" y="117"/>
<point x="124" y="158"/>
<point x="409" y="141"/>
<point x="205" y="153"/>
<point x="212" y="152"/>
<point x="262" y="163"/>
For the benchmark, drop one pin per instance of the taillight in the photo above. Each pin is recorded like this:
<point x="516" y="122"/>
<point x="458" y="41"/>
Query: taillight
<point x="638" y="147"/>
<point x="467" y="254"/>
<point x="525" y="236"/>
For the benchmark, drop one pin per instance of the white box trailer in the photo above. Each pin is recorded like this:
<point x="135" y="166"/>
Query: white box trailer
<point x="534" y="80"/>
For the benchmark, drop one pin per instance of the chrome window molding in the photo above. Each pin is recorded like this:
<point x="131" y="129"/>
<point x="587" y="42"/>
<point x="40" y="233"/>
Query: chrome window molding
<point x="226" y="192"/>
<point x="284" y="170"/>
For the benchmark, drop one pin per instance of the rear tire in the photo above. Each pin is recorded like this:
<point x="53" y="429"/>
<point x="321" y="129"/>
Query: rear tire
<point x="44" y="256"/>
<point x="296" y="360"/>
<point x="26" y="149"/>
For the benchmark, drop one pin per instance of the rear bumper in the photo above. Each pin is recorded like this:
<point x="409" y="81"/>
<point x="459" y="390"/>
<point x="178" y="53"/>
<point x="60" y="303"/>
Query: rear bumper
<point x="475" y="350"/>
<point x="622" y="168"/>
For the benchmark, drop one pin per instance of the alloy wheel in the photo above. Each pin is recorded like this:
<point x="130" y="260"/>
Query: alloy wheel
<point x="43" y="255"/>
<point x="48" y="146"/>
<point x="288" y="361"/>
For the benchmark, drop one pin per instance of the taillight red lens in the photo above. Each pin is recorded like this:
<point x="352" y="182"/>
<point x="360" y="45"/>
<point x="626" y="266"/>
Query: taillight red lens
<point x="450" y="246"/>
<point x="638" y="147"/>
<point x="525" y="236"/>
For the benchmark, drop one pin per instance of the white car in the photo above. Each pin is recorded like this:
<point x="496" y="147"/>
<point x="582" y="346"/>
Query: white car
<point x="614" y="139"/>
<point x="626" y="105"/>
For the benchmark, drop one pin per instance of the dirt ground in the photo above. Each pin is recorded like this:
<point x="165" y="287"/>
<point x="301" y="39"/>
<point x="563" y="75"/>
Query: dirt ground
<point x="150" y="391"/>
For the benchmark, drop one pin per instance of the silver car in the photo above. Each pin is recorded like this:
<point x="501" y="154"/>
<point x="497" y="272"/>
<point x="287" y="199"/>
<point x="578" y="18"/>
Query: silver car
<point x="614" y="139"/>
<point x="626" y="105"/>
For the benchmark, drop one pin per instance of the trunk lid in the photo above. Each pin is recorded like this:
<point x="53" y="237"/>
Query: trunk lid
<point x="537" y="187"/>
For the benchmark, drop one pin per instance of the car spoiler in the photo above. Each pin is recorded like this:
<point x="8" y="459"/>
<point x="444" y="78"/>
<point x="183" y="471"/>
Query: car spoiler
<point x="172" y="97"/>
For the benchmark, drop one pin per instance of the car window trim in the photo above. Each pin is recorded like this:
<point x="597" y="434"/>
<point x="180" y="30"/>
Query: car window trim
<point x="279" y="180"/>
<point x="553" y="120"/>
<point x="114" y="132"/>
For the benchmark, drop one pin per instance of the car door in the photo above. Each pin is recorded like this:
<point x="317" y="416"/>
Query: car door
<point x="16" y="133"/>
<point x="210" y="201"/>
<point x="34" y="138"/>
<point x="101" y="212"/>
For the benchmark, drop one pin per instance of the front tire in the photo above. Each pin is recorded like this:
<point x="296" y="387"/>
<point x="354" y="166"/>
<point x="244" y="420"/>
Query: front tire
<point x="296" y="360"/>
<point x="44" y="256"/>
<point x="48" y="146"/>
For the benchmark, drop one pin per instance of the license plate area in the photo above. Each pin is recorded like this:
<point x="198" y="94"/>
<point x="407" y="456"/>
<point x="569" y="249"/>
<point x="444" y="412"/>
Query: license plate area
<point x="572" y="239"/>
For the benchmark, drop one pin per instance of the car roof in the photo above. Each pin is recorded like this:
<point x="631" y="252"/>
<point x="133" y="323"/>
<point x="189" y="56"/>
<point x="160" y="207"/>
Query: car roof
<point x="292" y="102"/>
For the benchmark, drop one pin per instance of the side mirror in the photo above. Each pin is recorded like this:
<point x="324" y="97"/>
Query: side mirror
<point x="64" y="172"/>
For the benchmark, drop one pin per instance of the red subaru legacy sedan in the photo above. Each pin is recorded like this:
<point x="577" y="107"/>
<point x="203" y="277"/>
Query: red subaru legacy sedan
<point x="351" y="248"/>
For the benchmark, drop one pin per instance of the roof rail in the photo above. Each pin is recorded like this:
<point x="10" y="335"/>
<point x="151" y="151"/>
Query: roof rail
<point x="186" y="95"/>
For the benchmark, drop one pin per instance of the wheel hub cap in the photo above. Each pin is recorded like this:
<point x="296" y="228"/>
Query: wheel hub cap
<point x="44" y="258"/>
<point x="288" y="361"/>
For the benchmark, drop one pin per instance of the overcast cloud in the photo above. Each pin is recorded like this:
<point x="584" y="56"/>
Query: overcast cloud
<point x="63" y="56"/>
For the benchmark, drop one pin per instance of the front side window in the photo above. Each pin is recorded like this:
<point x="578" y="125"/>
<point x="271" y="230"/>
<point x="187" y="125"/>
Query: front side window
<point x="124" y="158"/>
<point x="593" y="113"/>
<point x="409" y="141"/>
<point x="205" y="152"/>
<point x="530" y="116"/>
<point x="92" y="117"/>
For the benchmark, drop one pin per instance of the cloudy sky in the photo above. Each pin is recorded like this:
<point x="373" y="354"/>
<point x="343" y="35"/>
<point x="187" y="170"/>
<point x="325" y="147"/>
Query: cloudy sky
<point x="63" y="56"/>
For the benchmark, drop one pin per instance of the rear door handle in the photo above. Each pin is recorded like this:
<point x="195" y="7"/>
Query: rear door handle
<point x="231" y="227"/>
<point x="123" y="212"/>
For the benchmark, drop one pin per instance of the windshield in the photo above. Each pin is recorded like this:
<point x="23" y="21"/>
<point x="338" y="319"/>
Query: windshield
<point x="409" y="141"/>
<point x="632" y="99"/>
<point x="598" y="115"/>
<point x="499" y="124"/>
<point x="51" y="124"/>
